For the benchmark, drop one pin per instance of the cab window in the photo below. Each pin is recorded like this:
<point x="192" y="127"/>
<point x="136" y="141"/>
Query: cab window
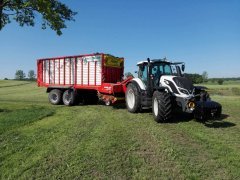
<point x="167" y="70"/>
<point x="143" y="73"/>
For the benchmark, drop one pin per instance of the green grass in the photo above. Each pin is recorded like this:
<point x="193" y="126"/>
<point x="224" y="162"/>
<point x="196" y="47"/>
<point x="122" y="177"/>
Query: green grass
<point x="229" y="88"/>
<point x="41" y="141"/>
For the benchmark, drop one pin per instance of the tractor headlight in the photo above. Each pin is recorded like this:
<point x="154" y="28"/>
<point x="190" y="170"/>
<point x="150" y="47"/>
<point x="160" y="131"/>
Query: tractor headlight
<point x="183" y="91"/>
<point x="191" y="105"/>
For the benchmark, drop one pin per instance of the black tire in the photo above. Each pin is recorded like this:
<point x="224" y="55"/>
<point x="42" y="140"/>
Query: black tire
<point x="55" y="97"/>
<point x="161" y="106"/>
<point x="133" y="98"/>
<point x="69" y="97"/>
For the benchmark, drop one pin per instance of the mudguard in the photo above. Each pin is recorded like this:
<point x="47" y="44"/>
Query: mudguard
<point x="140" y="83"/>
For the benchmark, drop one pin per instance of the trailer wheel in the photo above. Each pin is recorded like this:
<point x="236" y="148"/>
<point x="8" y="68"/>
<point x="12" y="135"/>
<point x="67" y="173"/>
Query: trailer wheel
<point x="161" y="106"/>
<point x="69" y="97"/>
<point x="133" y="99"/>
<point x="108" y="103"/>
<point x="55" y="97"/>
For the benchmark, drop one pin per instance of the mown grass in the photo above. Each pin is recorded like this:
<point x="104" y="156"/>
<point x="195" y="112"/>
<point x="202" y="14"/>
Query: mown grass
<point x="41" y="141"/>
<point x="229" y="88"/>
<point x="11" y="83"/>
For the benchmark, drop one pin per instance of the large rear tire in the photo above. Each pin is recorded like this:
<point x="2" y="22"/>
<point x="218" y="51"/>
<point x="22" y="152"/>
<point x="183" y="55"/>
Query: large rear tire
<point x="161" y="106"/>
<point x="133" y="98"/>
<point x="69" y="97"/>
<point x="55" y="97"/>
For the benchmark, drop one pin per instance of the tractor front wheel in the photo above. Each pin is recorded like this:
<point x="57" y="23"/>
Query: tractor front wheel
<point x="133" y="101"/>
<point x="161" y="106"/>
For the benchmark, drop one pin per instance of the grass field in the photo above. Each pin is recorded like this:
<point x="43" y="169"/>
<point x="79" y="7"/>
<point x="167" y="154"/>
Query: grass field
<point x="38" y="140"/>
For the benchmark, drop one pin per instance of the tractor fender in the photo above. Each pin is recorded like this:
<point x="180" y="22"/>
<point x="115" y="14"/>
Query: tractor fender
<point x="136" y="85"/>
<point x="139" y="82"/>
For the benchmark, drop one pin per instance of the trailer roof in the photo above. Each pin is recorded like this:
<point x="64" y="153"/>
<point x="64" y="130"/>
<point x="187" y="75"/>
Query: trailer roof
<point x="77" y="56"/>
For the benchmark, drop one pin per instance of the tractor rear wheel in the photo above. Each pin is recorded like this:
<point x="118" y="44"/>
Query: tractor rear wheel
<point x="69" y="97"/>
<point x="55" y="97"/>
<point x="161" y="106"/>
<point x="133" y="99"/>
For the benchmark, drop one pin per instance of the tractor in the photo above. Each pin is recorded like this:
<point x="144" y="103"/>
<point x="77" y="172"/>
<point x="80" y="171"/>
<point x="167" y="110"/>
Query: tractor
<point x="162" y="86"/>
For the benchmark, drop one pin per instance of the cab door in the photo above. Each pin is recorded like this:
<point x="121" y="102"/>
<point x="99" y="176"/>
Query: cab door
<point x="143" y="73"/>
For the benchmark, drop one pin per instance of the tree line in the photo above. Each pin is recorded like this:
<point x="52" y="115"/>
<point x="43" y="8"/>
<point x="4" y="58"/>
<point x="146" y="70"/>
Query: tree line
<point x="198" y="79"/>
<point x="20" y="75"/>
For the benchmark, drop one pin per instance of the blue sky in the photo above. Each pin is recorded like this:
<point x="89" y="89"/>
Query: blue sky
<point x="205" y="34"/>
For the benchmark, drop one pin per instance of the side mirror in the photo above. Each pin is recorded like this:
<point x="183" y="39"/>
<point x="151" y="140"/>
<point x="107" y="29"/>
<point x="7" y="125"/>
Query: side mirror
<point x="183" y="67"/>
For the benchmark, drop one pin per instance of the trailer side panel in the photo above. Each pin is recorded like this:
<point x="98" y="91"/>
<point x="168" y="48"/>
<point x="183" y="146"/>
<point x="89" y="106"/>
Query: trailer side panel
<point x="81" y="72"/>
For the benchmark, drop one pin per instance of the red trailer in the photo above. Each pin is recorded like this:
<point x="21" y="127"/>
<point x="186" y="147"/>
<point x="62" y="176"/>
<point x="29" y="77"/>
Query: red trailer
<point x="83" y="77"/>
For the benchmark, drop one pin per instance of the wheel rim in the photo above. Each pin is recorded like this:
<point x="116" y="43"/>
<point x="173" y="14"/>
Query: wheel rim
<point x="54" y="97"/>
<point x="67" y="98"/>
<point x="130" y="99"/>
<point x="108" y="103"/>
<point x="155" y="107"/>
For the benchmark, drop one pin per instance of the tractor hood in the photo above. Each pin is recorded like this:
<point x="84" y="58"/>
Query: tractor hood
<point x="180" y="86"/>
<point x="184" y="83"/>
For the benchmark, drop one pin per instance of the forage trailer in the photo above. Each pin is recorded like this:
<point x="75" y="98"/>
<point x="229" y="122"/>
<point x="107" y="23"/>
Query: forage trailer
<point x="160" y="85"/>
<point x="85" y="78"/>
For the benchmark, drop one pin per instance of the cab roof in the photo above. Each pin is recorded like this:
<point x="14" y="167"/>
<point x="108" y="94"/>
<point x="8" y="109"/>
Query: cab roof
<point x="160" y="61"/>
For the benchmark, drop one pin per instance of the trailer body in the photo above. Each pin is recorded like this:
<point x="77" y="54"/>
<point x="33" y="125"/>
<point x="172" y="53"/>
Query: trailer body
<point x="99" y="72"/>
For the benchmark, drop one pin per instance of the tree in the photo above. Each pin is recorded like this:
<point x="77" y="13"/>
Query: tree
<point x="213" y="80"/>
<point x="53" y="13"/>
<point x="220" y="81"/>
<point x="205" y="76"/>
<point x="31" y="75"/>
<point x="195" y="78"/>
<point x="20" y="75"/>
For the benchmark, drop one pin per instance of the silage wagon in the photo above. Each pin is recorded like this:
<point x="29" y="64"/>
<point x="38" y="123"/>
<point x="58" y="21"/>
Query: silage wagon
<point x="85" y="78"/>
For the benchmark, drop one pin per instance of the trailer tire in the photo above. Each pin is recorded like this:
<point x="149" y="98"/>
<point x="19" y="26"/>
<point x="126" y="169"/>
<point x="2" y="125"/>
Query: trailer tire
<point x="69" y="97"/>
<point x="161" y="106"/>
<point x="55" y="97"/>
<point x="133" y="98"/>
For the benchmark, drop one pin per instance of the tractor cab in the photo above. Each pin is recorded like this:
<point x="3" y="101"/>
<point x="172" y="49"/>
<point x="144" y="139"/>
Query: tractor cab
<point x="153" y="70"/>
<point x="161" y="86"/>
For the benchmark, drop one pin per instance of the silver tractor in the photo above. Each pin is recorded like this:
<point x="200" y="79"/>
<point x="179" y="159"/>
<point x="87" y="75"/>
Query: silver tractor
<point x="161" y="85"/>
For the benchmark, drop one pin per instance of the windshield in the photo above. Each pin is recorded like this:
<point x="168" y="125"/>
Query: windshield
<point x="161" y="69"/>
